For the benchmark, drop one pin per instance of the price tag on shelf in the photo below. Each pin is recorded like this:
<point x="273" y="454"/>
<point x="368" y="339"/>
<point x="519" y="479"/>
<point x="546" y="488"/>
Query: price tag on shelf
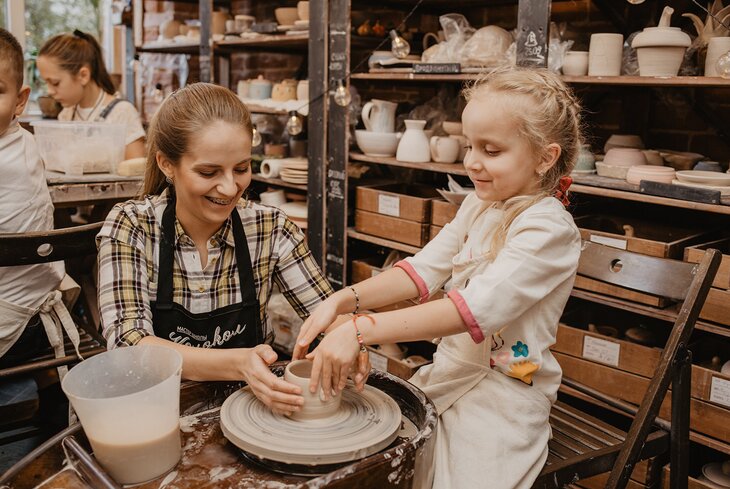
<point x="389" y="205"/>
<point x="378" y="361"/>
<point x="605" y="240"/>
<point x="720" y="391"/>
<point x="602" y="351"/>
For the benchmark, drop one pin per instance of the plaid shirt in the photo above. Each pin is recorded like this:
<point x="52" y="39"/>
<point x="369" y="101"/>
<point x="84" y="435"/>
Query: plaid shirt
<point x="129" y="263"/>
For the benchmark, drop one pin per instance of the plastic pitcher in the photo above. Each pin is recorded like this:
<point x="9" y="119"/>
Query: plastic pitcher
<point x="128" y="402"/>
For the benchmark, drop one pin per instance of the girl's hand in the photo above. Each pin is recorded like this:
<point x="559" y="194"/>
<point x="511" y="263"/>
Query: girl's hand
<point x="279" y="395"/>
<point x="317" y="323"/>
<point x="333" y="360"/>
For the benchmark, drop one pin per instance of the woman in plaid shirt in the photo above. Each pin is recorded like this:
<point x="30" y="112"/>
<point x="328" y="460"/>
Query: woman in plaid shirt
<point x="169" y="269"/>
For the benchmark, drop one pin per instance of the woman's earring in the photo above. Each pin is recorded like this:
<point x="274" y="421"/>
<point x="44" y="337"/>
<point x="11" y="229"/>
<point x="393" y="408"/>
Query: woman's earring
<point x="168" y="180"/>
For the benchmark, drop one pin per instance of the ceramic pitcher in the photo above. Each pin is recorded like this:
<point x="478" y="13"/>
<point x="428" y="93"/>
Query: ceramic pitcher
<point x="379" y="116"/>
<point x="414" y="146"/>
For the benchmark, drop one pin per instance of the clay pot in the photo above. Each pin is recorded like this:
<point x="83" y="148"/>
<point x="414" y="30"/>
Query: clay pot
<point x="605" y="54"/>
<point x="575" y="63"/>
<point x="303" y="10"/>
<point x="414" y="145"/>
<point x="624" y="157"/>
<point x="661" y="49"/>
<point x="315" y="406"/>
<point x="286" y="15"/>
<point x="623" y="141"/>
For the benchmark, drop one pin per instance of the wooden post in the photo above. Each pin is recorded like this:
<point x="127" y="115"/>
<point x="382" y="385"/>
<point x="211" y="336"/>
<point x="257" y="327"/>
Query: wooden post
<point x="533" y="22"/>
<point x="205" y="9"/>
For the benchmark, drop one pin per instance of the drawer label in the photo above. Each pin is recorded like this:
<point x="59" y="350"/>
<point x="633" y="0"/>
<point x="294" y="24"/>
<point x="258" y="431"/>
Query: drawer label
<point x="389" y="205"/>
<point x="602" y="351"/>
<point x="720" y="391"/>
<point x="613" y="242"/>
<point x="378" y="361"/>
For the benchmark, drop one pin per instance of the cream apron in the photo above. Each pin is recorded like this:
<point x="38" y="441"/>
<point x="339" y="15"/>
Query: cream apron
<point x="54" y="316"/>
<point x="493" y="430"/>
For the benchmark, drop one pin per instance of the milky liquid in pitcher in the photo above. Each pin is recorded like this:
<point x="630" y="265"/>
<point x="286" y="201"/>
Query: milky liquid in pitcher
<point x="133" y="448"/>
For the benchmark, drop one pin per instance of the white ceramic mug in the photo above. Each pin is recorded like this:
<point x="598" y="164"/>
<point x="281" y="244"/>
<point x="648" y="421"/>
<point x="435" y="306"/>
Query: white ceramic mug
<point x="273" y="197"/>
<point x="379" y="115"/>
<point x="575" y="63"/>
<point x="298" y="373"/>
<point x="605" y="54"/>
<point x="444" y="149"/>
<point x="715" y="48"/>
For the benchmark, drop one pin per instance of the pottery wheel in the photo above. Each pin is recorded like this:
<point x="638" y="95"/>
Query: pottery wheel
<point x="366" y="422"/>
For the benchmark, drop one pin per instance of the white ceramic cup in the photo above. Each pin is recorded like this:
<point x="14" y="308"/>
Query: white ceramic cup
<point x="575" y="63"/>
<point x="273" y="197"/>
<point x="605" y="54"/>
<point x="444" y="149"/>
<point x="298" y="373"/>
<point x="715" y="48"/>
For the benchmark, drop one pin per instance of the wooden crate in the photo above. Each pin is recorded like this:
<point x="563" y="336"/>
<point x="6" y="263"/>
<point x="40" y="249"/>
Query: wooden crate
<point x="646" y="474"/>
<point x="692" y="483"/>
<point x="604" y="288"/>
<point x="705" y="417"/>
<point x="402" y="201"/>
<point x="717" y="306"/>
<point x="694" y="254"/>
<point x="649" y="238"/>
<point x="442" y="212"/>
<point x="401" y="230"/>
<point x="402" y="367"/>
<point x="365" y="268"/>
<point x="433" y="231"/>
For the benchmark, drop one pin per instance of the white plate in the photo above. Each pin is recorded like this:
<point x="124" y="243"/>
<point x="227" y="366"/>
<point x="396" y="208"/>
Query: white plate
<point x="453" y="197"/>
<point x="704" y="177"/>
<point x="714" y="472"/>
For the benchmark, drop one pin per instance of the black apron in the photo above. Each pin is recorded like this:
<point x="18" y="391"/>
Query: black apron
<point x="233" y="326"/>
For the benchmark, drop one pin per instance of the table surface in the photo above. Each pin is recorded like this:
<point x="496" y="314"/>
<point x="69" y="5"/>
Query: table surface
<point x="93" y="188"/>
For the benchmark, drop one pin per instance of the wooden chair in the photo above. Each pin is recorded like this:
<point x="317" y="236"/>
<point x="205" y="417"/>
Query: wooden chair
<point x="73" y="243"/>
<point x="583" y="446"/>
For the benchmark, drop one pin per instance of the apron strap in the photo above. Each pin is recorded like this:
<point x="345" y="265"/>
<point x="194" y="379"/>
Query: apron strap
<point x="107" y="110"/>
<point x="52" y="324"/>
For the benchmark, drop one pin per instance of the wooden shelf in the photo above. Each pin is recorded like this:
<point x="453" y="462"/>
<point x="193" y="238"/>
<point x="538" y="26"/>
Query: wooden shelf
<point x="264" y="41"/>
<point x="257" y="177"/>
<point x="351" y="233"/>
<point x="619" y="189"/>
<point x="452" y="168"/>
<point x="260" y="109"/>
<point x="676" y="81"/>
<point x="170" y="48"/>
<point x="666" y="314"/>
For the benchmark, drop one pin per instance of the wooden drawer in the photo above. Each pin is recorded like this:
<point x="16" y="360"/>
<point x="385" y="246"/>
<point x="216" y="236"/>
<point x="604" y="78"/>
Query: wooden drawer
<point x="442" y="212"/>
<point x="604" y="288"/>
<point x="649" y="238"/>
<point x="433" y="231"/>
<point x="692" y="483"/>
<point x="717" y="306"/>
<point x="694" y="254"/>
<point x="705" y="417"/>
<point x="401" y="230"/>
<point x="408" y="202"/>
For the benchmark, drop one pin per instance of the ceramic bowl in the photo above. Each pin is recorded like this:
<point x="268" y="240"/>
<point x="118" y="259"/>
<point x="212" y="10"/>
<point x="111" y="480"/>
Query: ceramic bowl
<point x="623" y="141"/>
<point x="708" y="166"/>
<point x="624" y="157"/>
<point x="611" y="171"/>
<point x="452" y="128"/>
<point x="315" y="406"/>
<point x="303" y="10"/>
<point x="377" y="143"/>
<point x="662" y="174"/>
<point x="717" y="473"/>
<point x="653" y="157"/>
<point x="704" y="177"/>
<point x="286" y="15"/>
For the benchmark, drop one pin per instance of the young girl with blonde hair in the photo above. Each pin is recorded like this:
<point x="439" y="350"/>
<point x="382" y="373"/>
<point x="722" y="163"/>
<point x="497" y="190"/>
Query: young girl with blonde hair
<point x="510" y="254"/>
<point x="192" y="264"/>
<point x="72" y="66"/>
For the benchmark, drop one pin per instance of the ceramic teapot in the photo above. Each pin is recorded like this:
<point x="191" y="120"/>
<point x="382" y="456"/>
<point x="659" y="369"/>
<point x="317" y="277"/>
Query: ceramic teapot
<point x="379" y="116"/>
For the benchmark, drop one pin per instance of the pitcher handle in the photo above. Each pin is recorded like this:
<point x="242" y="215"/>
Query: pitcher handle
<point x="428" y="36"/>
<point x="366" y="115"/>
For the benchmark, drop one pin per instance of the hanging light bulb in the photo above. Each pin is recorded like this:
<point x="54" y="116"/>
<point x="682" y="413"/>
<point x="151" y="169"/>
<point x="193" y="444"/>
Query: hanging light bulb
<point x="294" y="124"/>
<point x="342" y="95"/>
<point x="399" y="46"/>
<point x="722" y="65"/>
<point x="255" y="137"/>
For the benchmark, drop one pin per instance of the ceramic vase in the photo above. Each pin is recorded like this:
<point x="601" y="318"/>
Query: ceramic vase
<point x="715" y="48"/>
<point x="604" y="54"/>
<point x="586" y="162"/>
<point x="414" y="145"/>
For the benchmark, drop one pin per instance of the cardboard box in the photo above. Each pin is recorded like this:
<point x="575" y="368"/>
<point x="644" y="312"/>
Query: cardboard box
<point x="646" y="237"/>
<point x="694" y="254"/>
<point x="442" y="212"/>
<point x="401" y="230"/>
<point x="397" y="200"/>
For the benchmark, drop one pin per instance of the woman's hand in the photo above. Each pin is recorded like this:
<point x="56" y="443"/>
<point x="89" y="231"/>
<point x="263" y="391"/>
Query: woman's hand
<point x="317" y="323"/>
<point x="333" y="360"/>
<point x="279" y="395"/>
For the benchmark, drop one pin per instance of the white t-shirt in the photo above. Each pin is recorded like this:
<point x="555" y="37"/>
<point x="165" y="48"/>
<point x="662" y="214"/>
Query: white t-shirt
<point x="25" y="206"/>
<point x="122" y="113"/>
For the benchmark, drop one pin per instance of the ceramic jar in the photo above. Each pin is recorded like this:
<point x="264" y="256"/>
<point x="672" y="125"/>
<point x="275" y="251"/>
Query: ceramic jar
<point x="605" y="54"/>
<point x="661" y="49"/>
<point x="285" y="90"/>
<point x="444" y="149"/>
<point x="575" y="63"/>
<point x="414" y="144"/>
<point x="259" y="89"/>
<point x="715" y="48"/>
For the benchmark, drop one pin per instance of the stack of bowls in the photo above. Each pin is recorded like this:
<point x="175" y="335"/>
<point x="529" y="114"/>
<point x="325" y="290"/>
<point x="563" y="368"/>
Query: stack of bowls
<point x="617" y="162"/>
<point x="637" y="173"/>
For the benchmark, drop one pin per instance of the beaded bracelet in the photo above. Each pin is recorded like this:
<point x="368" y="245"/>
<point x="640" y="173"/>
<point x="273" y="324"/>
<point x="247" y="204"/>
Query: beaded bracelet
<point x="357" y="330"/>
<point x="357" y="299"/>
